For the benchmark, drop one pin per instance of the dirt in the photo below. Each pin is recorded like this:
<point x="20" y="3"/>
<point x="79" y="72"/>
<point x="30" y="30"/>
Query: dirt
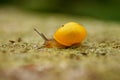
<point x="22" y="56"/>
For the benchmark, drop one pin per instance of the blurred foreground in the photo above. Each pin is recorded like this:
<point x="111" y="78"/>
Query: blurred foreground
<point x="22" y="58"/>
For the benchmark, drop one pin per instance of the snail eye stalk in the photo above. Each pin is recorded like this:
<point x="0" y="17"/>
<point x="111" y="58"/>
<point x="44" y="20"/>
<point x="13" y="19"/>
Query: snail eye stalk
<point x="41" y="34"/>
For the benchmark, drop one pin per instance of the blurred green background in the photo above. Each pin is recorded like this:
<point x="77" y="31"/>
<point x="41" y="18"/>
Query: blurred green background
<point x="100" y="9"/>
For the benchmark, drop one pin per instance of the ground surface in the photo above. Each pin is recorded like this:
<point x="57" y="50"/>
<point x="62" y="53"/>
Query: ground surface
<point x="22" y="58"/>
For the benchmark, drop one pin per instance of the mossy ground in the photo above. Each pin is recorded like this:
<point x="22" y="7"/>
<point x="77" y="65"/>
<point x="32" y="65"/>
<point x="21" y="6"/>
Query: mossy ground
<point x="23" y="58"/>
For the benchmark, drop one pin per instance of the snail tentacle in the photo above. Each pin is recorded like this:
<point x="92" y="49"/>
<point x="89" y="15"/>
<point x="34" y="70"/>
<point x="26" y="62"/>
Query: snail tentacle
<point x="41" y="34"/>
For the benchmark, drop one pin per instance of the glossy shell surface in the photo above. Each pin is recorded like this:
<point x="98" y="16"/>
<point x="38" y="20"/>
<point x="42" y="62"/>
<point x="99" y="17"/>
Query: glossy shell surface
<point x="70" y="33"/>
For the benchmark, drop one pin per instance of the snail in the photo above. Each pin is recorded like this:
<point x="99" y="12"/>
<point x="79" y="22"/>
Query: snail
<point x="67" y="35"/>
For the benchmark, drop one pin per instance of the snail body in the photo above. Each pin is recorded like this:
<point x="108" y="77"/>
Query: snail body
<point x="67" y="35"/>
<point x="53" y="43"/>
